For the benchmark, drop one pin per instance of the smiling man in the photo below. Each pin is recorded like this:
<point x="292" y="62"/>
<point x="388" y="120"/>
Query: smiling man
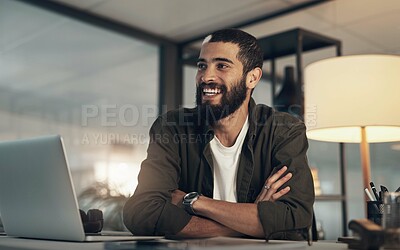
<point x="228" y="167"/>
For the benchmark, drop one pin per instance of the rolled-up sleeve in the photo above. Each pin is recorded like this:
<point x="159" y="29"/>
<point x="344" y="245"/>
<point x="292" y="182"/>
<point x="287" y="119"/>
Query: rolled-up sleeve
<point x="294" y="210"/>
<point x="150" y="211"/>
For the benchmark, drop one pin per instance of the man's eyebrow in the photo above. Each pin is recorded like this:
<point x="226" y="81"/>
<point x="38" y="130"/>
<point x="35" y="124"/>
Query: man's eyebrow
<point x="201" y="60"/>
<point x="223" y="59"/>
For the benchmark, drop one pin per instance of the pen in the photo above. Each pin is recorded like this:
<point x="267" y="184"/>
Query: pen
<point x="369" y="195"/>
<point x="374" y="190"/>
<point x="384" y="189"/>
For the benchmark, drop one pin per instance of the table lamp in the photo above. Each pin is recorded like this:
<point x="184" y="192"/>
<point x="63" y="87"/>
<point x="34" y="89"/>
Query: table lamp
<point x="354" y="99"/>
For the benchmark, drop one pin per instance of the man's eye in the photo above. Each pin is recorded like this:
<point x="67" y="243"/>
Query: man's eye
<point x="201" y="66"/>
<point x="222" y="66"/>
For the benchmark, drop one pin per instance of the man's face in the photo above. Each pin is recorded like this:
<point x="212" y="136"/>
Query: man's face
<point x="221" y="85"/>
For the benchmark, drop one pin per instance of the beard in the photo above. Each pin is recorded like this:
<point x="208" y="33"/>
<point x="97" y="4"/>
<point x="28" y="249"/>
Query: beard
<point x="230" y="101"/>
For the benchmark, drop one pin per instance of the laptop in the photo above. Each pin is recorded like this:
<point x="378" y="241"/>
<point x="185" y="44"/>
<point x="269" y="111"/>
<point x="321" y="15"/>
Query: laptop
<point x="37" y="198"/>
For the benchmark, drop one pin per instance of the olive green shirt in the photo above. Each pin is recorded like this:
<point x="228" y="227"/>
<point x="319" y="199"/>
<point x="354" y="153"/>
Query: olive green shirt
<point x="179" y="157"/>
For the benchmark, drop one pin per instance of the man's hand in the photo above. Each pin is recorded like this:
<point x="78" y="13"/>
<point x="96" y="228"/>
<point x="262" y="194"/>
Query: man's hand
<point x="272" y="184"/>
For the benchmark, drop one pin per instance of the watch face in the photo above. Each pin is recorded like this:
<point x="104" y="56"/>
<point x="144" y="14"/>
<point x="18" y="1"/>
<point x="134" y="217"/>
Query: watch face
<point x="191" y="195"/>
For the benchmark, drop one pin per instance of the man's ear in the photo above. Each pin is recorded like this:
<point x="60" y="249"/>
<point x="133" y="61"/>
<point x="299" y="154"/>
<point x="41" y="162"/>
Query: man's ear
<point x="253" y="77"/>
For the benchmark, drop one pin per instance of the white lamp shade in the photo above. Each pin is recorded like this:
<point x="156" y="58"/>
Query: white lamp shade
<point x="343" y="94"/>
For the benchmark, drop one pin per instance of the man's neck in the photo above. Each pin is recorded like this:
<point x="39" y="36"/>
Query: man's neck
<point x="228" y="128"/>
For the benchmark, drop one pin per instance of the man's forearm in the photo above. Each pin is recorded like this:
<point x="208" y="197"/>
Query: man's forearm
<point x="224" y="218"/>
<point x="240" y="217"/>
<point x="202" y="227"/>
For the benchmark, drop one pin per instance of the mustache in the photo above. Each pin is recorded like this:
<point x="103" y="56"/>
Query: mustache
<point x="203" y="85"/>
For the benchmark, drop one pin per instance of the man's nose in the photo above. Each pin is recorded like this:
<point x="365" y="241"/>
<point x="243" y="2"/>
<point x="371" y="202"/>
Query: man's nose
<point x="208" y="75"/>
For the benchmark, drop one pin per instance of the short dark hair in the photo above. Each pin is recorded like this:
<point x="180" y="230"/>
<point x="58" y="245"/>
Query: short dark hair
<point x="250" y="53"/>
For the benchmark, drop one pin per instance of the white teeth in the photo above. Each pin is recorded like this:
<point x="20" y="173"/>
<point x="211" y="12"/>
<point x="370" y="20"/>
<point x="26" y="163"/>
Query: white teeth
<point x="211" y="91"/>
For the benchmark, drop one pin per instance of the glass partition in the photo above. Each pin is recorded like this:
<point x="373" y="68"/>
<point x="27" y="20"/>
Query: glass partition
<point x="96" y="88"/>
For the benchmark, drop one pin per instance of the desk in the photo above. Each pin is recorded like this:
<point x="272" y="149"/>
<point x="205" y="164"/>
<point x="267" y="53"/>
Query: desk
<point x="31" y="244"/>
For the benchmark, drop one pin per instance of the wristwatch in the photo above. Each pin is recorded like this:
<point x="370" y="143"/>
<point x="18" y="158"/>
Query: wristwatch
<point x="188" y="201"/>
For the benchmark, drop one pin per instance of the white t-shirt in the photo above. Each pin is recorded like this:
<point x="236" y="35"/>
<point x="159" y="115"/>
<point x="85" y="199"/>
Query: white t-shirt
<point x="226" y="163"/>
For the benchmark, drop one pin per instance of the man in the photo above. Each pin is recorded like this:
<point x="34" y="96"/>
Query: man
<point x="247" y="161"/>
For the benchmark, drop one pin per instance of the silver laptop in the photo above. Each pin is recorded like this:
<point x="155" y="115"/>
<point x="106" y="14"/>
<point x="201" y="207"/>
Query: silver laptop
<point x="37" y="198"/>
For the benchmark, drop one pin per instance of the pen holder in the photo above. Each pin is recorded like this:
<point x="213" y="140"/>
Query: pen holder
<point x="375" y="211"/>
<point x="391" y="220"/>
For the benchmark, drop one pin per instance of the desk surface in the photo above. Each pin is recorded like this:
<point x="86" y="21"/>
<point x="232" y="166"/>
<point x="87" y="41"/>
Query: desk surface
<point x="18" y="243"/>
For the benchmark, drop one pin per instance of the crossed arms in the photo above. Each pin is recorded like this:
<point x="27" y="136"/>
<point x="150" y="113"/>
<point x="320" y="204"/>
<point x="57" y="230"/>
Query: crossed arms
<point x="221" y="218"/>
<point x="155" y="208"/>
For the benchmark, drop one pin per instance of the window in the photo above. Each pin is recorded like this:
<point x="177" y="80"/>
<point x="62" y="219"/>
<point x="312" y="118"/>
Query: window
<point x="96" y="88"/>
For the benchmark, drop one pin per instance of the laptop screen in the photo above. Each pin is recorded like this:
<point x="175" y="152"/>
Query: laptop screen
<point x="37" y="198"/>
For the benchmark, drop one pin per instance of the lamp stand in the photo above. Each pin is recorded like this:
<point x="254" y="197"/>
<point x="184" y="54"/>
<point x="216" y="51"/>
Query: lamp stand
<point x="365" y="160"/>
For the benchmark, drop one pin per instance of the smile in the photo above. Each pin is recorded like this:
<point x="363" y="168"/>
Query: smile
<point x="211" y="91"/>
